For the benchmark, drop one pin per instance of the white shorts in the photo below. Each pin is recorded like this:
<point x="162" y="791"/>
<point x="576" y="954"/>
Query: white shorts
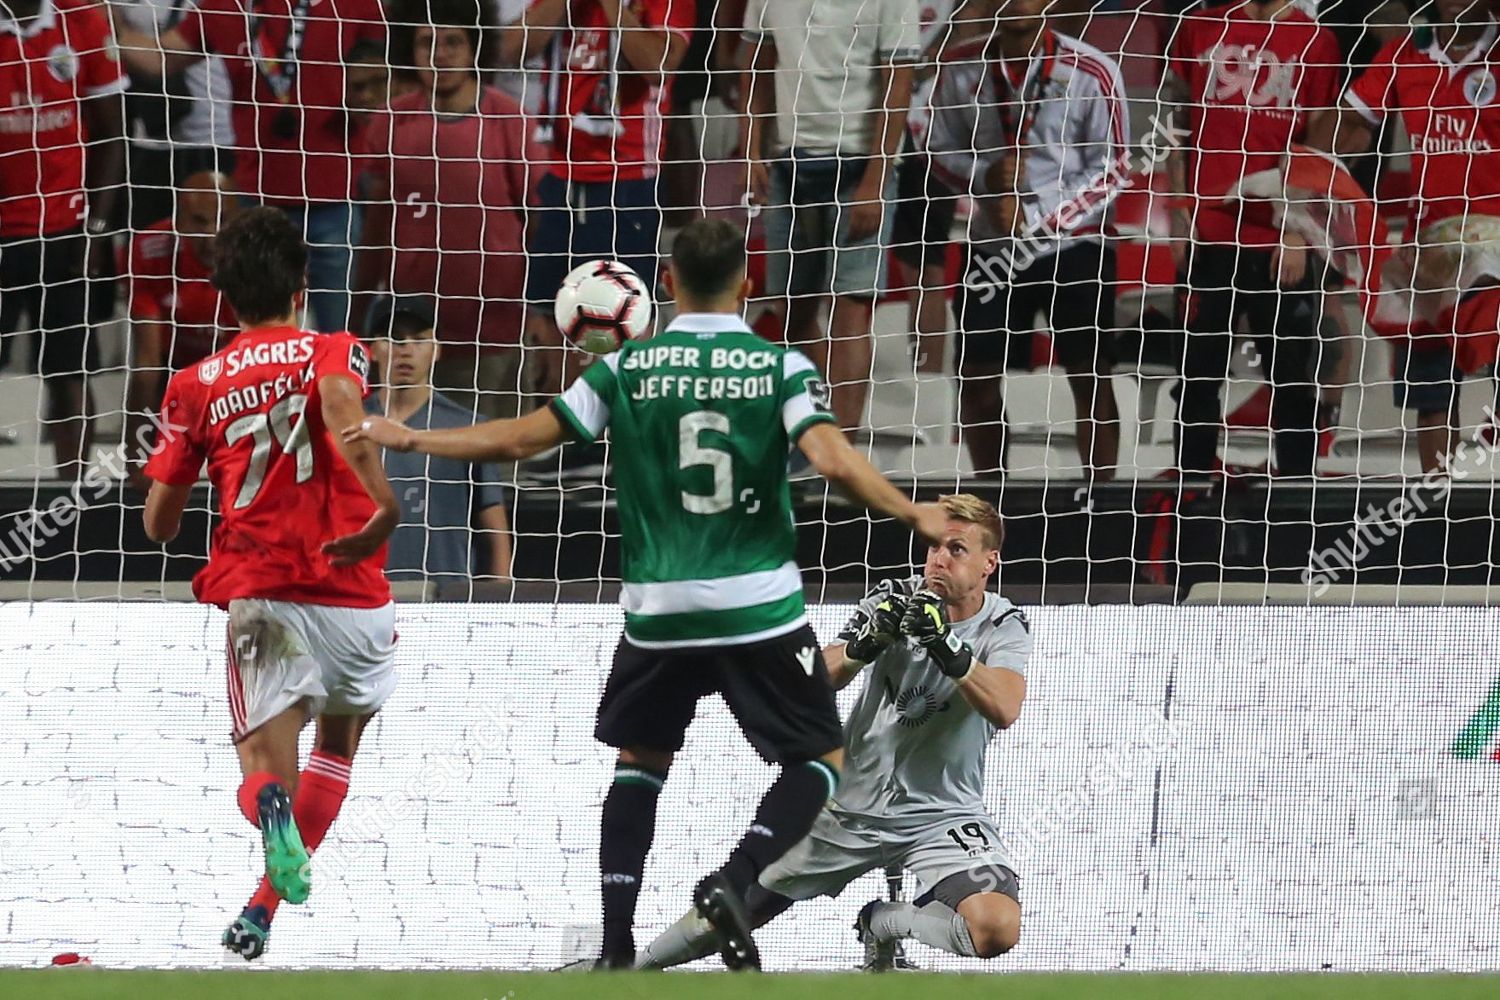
<point x="840" y="848"/>
<point x="339" y="661"/>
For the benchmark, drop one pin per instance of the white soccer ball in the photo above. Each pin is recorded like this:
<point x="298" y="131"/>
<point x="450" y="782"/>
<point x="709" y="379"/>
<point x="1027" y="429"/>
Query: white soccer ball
<point x="602" y="304"/>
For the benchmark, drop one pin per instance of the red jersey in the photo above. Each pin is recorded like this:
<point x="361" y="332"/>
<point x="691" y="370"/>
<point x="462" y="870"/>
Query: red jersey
<point x="1451" y="113"/>
<point x="253" y="411"/>
<point x="1252" y="86"/>
<point x="459" y="187"/>
<point x="171" y="286"/>
<point x="606" y="118"/>
<point x="298" y="150"/>
<point x="48" y="66"/>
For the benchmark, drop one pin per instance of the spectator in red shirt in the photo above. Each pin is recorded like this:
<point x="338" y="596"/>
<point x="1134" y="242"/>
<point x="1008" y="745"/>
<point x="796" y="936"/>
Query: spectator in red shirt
<point x="290" y="126"/>
<point x="1249" y="75"/>
<point x="1441" y="84"/>
<point x="448" y="184"/>
<point x="177" y="316"/>
<point x="60" y="87"/>
<point x="367" y="86"/>
<point x="611" y="63"/>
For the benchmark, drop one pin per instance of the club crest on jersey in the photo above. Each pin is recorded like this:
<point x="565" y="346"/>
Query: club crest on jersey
<point x="62" y="63"/>
<point x="1479" y="87"/>
<point x="209" y="371"/>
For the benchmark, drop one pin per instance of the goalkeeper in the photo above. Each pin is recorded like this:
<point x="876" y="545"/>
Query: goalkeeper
<point x="947" y="669"/>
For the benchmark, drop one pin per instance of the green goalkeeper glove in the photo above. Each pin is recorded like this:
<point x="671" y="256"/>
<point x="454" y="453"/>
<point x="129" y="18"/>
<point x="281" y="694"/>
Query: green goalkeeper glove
<point x="868" y="633"/>
<point x="926" y="624"/>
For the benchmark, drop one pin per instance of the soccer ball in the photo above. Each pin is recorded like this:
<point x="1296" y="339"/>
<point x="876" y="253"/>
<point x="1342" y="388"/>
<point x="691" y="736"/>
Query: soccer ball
<point x="602" y="304"/>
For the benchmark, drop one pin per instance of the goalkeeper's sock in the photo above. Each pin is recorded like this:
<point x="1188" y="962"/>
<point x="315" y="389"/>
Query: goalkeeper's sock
<point x="935" y="924"/>
<point x="785" y="815"/>
<point x="626" y="829"/>
<point x="320" y="795"/>
<point x="249" y="794"/>
<point x="688" y="940"/>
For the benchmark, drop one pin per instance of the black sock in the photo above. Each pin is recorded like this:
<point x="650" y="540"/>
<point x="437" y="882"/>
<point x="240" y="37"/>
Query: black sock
<point x="784" y="817"/>
<point x="626" y="829"/>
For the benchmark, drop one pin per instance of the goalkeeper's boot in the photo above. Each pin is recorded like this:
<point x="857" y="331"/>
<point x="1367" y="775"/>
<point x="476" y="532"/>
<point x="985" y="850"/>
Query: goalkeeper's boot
<point x="287" y="866"/>
<point x="719" y="903"/>
<point x="246" y="937"/>
<point x="880" y="956"/>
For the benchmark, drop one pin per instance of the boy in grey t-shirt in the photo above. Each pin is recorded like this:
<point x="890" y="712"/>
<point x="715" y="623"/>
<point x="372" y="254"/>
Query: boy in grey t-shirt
<point x="454" y="522"/>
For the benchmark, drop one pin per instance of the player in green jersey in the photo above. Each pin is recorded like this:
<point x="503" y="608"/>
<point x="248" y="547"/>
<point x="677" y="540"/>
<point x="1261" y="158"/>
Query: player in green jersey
<point x="703" y="417"/>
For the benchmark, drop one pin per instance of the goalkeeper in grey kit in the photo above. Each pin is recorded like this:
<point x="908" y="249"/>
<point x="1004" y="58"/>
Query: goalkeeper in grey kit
<point x="947" y="670"/>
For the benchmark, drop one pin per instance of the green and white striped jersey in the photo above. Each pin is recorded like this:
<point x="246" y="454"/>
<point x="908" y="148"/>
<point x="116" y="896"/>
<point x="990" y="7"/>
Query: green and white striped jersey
<point x="701" y="419"/>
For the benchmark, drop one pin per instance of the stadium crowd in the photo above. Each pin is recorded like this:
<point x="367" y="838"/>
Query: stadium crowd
<point x="1092" y="184"/>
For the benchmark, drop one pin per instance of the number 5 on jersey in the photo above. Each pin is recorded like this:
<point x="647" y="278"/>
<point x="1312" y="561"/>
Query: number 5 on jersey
<point x="692" y="452"/>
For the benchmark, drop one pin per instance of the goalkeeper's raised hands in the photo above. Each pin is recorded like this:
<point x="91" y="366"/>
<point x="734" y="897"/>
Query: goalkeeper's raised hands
<point x="868" y="633"/>
<point x="925" y="622"/>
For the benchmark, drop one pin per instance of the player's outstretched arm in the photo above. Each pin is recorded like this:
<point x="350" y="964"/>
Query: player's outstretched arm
<point x="491" y="441"/>
<point x="164" y="506"/>
<point x="836" y="461"/>
<point x="342" y="405"/>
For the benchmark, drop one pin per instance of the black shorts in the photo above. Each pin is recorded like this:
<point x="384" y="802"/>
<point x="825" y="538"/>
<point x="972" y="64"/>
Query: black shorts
<point x="954" y="889"/>
<point x="43" y="289"/>
<point x="778" y="691"/>
<point x="923" y="224"/>
<point x="1073" y="290"/>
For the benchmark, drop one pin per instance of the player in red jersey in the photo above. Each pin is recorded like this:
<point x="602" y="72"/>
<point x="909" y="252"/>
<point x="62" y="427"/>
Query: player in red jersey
<point x="1250" y="75"/>
<point x="1442" y="83"/>
<point x="297" y="557"/>
<point x="177" y="316"/>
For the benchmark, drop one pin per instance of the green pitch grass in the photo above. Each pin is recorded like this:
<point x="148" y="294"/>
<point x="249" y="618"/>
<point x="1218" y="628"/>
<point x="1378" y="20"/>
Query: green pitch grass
<point x="88" y="984"/>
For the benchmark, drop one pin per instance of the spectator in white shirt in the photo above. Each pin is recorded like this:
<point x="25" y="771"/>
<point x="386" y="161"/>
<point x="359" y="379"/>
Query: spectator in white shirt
<point x="837" y="79"/>
<point x="1031" y="124"/>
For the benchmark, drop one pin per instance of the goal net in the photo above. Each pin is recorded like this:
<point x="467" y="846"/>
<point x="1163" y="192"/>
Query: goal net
<point x="1202" y="299"/>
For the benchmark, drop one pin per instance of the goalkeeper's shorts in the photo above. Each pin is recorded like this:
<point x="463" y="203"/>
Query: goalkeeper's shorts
<point x="335" y="660"/>
<point x="952" y="860"/>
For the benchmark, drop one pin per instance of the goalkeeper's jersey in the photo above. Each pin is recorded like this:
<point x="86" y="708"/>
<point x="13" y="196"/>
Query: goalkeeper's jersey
<point x="914" y="749"/>
<point x="701" y="419"/>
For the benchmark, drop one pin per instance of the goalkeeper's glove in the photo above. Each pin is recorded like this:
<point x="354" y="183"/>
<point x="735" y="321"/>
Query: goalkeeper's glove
<point x="868" y="633"/>
<point x="927" y="625"/>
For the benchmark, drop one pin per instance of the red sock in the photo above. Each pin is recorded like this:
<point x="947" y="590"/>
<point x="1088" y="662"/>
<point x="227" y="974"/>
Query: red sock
<point x="320" y="794"/>
<point x="250" y="791"/>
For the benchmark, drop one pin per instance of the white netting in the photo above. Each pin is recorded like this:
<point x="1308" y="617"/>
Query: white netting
<point x="1261" y="804"/>
<point x="1071" y="228"/>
